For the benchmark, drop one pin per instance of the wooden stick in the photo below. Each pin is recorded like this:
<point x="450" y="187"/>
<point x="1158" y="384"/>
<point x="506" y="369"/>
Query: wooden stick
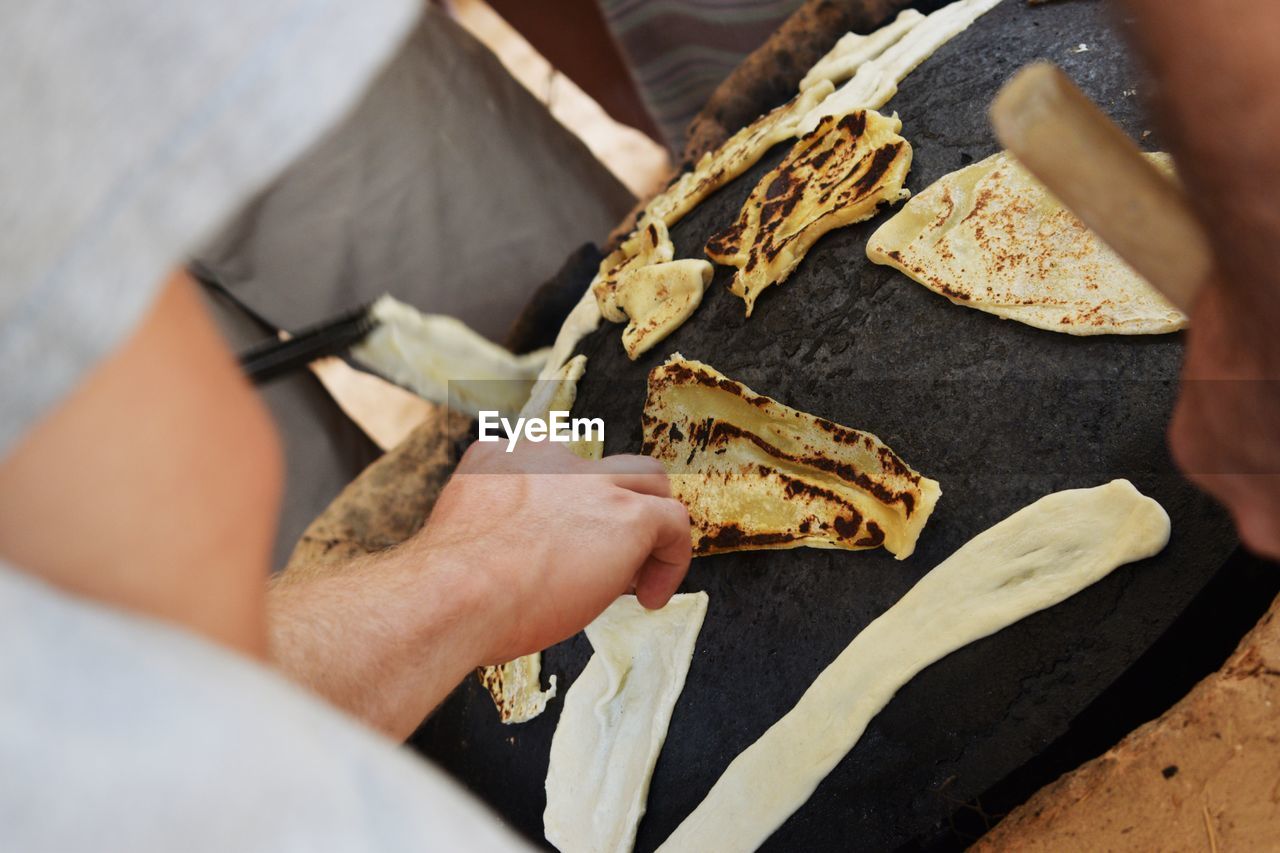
<point x="1098" y="172"/>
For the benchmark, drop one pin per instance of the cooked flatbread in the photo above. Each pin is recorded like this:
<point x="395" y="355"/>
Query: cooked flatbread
<point x="656" y="300"/>
<point x="648" y="244"/>
<point x="736" y="155"/>
<point x="516" y="686"/>
<point x="756" y="474"/>
<point x="876" y="79"/>
<point x="852" y="50"/>
<point x="838" y="175"/>
<point x="615" y="721"/>
<point x="991" y="237"/>
<point x="1035" y="558"/>
<point x="442" y="360"/>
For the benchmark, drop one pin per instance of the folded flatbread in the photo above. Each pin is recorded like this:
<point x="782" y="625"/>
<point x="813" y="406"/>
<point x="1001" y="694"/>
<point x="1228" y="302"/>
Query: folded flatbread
<point x="655" y="300"/>
<point x="838" y="175"/>
<point x="648" y="244"/>
<point x="615" y="721"/>
<point x="991" y="237"/>
<point x="756" y="474"/>
<point x="1035" y="558"/>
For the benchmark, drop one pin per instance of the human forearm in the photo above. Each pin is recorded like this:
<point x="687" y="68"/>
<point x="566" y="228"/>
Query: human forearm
<point x="521" y="551"/>
<point x="385" y="638"/>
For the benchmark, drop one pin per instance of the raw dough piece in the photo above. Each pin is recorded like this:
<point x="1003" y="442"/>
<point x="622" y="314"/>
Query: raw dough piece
<point x="615" y="720"/>
<point x="738" y="154"/>
<point x="843" y="60"/>
<point x="755" y="474"/>
<point x="657" y="299"/>
<point x="1035" y="558"/>
<point x="876" y="80"/>
<point x="516" y="686"/>
<point x="441" y="359"/>
<point x="838" y="175"/>
<point x="990" y="236"/>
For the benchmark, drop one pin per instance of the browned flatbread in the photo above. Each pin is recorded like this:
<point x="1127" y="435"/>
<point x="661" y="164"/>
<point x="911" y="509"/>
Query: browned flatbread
<point x="736" y="155"/>
<point x="838" y="175"/>
<point x="756" y="474"/>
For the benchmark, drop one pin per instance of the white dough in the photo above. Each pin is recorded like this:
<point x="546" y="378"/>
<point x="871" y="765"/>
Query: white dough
<point x="442" y="360"/>
<point x="582" y="321"/>
<point x="877" y="79"/>
<point x="843" y="60"/>
<point x="1035" y="558"/>
<point x="615" y="720"/>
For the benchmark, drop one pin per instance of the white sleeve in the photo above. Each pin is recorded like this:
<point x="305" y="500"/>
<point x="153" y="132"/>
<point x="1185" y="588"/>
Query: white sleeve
<point x="132" y="130"/>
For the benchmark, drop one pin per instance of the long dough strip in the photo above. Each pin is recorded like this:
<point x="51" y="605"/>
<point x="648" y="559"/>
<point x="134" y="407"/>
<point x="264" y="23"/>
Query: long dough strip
<point x="842" y="61"/>
<point x="615" y="721"/>
<point x="1035" y="558"/>
<point x="877" y="79"/>
<point x="736" y="155"/>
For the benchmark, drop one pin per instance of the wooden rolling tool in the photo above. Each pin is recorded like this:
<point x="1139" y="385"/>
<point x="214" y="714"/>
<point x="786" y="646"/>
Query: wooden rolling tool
<point x="1098" y="172"/>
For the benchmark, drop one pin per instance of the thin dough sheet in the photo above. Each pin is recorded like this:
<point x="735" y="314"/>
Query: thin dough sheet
<point x="615" y="721"/>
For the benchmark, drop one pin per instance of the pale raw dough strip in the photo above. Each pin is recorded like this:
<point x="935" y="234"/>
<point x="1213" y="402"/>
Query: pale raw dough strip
<point x="842" y="61"/>
<point x="1035" y="558"/>
<point x="615" y="720"/>
<point x="877" y="79"/>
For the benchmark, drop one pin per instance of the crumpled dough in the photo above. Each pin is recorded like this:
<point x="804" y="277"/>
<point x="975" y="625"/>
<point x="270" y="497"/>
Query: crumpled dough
<point x="442" y="360"/>
<point x="615" y="720"/>
<point x="876" y="80"/>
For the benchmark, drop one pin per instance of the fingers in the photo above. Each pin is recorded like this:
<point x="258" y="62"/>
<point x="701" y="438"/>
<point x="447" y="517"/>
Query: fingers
<point x="637" y="474"/>
<point x="668" y="561"/>
<point x="657" y="582"/>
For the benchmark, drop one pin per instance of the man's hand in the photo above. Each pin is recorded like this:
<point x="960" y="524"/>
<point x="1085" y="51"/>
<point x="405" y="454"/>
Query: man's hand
<point x="522" y="550"/>
<point x="1226" y="428"/>
<point x="555" y="539"/>
<point x="1214" y="64"/>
